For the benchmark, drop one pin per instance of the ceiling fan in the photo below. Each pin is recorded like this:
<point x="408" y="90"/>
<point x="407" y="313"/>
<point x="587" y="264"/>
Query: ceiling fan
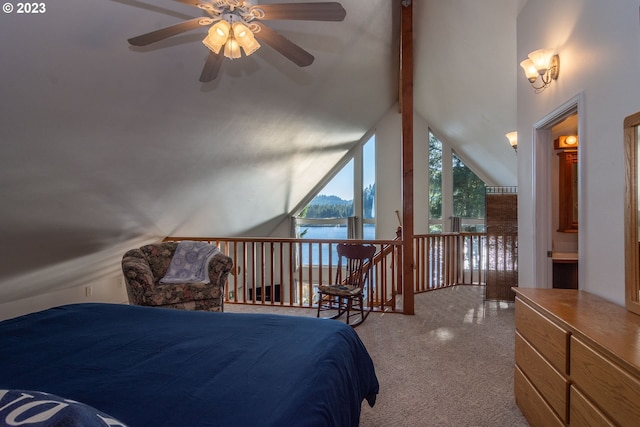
<point x="236" y="24"/>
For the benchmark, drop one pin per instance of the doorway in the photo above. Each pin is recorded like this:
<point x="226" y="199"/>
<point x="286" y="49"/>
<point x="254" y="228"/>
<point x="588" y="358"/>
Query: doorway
<point x="565" y="212"/>
<point x="557" y="196"/>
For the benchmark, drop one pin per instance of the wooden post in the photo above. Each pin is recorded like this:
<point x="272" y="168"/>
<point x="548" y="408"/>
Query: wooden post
<point x="406" y="108"/>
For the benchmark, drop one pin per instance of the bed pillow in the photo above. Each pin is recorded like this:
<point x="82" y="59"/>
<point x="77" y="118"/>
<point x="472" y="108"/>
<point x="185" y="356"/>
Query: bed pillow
<point x="37" y="409"/>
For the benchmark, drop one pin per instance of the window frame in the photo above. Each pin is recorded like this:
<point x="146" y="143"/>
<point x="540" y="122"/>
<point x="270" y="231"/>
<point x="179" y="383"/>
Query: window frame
<point x="357" y="155"/>
<point x="447" y="207"/>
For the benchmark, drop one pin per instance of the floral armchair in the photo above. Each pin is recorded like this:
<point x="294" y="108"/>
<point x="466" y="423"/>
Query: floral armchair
<point x="144" y="267"/>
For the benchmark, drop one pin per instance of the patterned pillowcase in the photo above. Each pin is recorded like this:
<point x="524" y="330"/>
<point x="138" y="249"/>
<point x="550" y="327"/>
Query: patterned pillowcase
<point x="37" y="409"/>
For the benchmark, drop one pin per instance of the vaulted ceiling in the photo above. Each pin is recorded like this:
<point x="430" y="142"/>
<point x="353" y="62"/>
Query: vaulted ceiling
<point x="103" y="142"/>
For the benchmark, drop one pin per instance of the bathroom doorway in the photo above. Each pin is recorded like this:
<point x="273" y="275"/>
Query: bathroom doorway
<point x="557" y="204"/>
<point x="565" y="213"/>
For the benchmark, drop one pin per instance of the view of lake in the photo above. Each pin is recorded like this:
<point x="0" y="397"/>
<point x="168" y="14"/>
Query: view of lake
<point x="329" y="232"/>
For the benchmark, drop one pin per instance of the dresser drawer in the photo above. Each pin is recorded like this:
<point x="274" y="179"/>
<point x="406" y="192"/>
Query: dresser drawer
<point x="532" y="405"/>
<point x="552" y="386"/>
<point x="616" y="392"/>
<point x="583" y="413"/>
<point x="548" y="339"/>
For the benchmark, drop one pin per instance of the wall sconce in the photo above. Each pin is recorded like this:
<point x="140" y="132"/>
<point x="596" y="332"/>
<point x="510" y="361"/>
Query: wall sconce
<point x="543" y="65"/>
<point x="513" y="139"/>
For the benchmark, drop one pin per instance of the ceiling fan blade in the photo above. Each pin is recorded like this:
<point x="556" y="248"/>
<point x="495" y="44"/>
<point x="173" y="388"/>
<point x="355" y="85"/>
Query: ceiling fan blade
<point x="164" y="33"/>
<point x="147" y="6"/>
<point x="211" y="67"/>
<point x="322" y="11"/>
<point x="286" y="47"/>
<point x="190" y="2"/>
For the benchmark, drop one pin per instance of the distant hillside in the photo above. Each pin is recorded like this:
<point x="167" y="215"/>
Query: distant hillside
<point x="330" y="206"/>
<point x="324" y="206"/>
<point x="323" y="199"/>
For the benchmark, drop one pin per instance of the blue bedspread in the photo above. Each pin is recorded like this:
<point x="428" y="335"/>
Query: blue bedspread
<point x="151" y="367"/>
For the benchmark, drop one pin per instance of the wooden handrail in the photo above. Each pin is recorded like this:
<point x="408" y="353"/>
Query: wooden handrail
<point x="270" y="271"/>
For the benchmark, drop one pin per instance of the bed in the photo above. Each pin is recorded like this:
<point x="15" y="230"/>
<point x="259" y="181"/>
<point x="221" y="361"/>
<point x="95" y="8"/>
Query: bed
<point x="151" y="367"/>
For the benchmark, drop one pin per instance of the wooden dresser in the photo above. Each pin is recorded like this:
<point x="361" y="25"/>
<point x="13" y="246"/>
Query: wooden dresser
<point x="577" y="359"/>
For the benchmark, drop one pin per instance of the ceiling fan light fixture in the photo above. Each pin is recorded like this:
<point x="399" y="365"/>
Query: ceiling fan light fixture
<point x="249" y="46"/>
<point x="245" y="38"/>
<point x="232" y="48"/>
<point x="240" y="30"/>
<point x="217" y="36"/>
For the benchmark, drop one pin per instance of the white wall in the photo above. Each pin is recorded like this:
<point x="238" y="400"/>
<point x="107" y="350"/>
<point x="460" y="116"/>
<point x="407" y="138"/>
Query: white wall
<point x="107" y="290"/>
<point x="599" y="47"/>
<point x="66" y="282"/>
<point x="420" y="175"/>
<point x="389" y="174"/>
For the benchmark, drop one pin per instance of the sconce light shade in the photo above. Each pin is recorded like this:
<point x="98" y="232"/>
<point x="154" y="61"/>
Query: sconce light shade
<point x="541" y="59"/>
<point x="529" y="70"/>
<point x="513" y="139"/>
<point x="543" y="65"/>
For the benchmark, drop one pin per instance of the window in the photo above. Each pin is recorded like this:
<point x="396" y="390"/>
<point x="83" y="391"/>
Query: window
<point x="468" y="197"/>
<point x="369" y="189"/>
<point x="454" y="190"/>
<point x="345" y="208"/>
<point x="325" y="217"/>
<point x="435" y="184"/>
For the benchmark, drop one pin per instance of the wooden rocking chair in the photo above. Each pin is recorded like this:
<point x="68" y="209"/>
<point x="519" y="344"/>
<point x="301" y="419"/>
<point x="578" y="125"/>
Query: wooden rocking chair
<point x="347" y="292"/>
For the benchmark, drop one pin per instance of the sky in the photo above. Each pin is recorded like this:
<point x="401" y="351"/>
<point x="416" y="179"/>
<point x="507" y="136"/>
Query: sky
<point x="342" y="184"/>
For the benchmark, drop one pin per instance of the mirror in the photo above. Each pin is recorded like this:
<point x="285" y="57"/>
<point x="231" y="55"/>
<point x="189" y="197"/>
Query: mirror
<point x="632" y="250"/>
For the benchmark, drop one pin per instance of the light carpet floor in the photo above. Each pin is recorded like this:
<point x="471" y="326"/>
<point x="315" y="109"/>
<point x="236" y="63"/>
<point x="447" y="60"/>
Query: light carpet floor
<point x="450" y="364"/>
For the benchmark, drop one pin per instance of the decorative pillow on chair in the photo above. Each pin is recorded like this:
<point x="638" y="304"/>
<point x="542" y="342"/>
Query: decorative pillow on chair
<point x="37" y="409"/>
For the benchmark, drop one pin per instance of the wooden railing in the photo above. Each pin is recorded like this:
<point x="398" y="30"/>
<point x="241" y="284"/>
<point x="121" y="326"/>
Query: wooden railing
<point x="444" y="260"/>
<point x="286" y="272"/>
